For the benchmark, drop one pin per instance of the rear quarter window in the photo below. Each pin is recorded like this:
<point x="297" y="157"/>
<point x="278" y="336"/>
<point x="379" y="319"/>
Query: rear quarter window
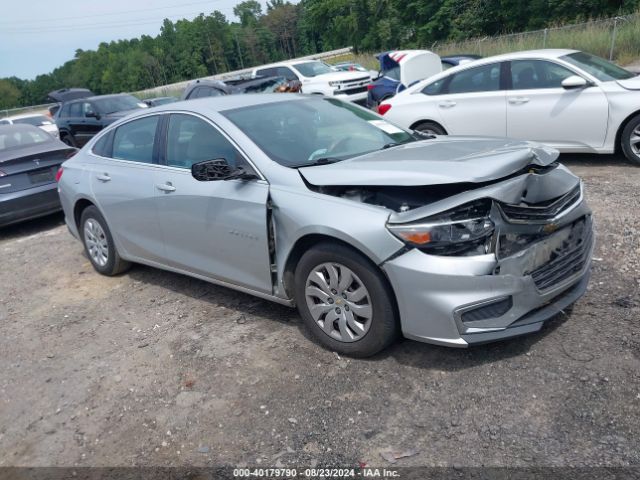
<point x="435" y="88"/>
<point x="103" y="146"/>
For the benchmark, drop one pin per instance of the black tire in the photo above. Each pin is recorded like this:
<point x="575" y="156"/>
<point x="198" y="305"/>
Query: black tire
<point x="625" y="141"/>
<point x="383" y="328"/>
<point x="68" y="139"/>
<point x="430" y="128"/>
<point x="114" y="264"/>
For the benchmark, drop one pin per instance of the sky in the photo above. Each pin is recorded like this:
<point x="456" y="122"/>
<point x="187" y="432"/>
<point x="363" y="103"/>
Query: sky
<point x="37" y="36"/>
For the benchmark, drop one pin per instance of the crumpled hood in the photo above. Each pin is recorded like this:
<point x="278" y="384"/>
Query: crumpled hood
<point x="443" y="160"/>
<point x="630" y="83"/>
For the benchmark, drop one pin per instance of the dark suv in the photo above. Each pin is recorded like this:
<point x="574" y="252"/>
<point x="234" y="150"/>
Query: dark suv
<point x="79" y="120"/>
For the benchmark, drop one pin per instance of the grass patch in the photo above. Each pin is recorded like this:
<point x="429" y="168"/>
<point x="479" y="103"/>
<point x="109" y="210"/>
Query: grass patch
<point x="594" y="37"/>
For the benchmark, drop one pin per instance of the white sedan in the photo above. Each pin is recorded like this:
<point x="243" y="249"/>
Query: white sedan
<point x="37" y="120"/>
<point x="567" y="99"/>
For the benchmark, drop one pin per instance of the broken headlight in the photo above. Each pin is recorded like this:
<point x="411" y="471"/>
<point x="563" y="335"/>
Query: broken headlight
<point x="464" y="230"/>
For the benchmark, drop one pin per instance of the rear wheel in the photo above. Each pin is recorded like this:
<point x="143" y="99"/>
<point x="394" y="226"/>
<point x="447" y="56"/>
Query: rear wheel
<point x="430" y="128"/>
<point x="630" y="140"/>
<point x="98" y="243"/>
<point x="344" y="301"/>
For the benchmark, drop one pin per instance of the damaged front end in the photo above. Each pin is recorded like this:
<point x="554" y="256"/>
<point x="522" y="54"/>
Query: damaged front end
<point x="488" y="260"/>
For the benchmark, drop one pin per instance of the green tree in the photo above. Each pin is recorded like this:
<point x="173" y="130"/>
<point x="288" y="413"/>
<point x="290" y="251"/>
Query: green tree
<point x="9" y="94"/>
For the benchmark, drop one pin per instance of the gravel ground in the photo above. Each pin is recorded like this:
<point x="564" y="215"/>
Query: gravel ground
<point x="154" y="368"/>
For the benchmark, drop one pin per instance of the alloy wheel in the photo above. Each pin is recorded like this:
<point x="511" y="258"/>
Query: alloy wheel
<point x="96" y="242"/>
<point x="634" y="141"/>
<point x="338" y="302"/>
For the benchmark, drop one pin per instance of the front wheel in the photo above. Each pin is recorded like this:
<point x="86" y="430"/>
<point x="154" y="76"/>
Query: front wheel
<point x="345" y="301"/>
<point x="98" y="243"/>
<point x="630" y="140"/>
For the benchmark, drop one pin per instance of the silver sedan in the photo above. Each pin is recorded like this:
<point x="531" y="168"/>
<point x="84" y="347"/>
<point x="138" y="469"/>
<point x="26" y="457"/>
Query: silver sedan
<point x="370" y="230"/>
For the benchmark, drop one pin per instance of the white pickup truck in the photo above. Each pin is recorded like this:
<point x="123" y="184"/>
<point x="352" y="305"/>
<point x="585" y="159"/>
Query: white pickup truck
<point x="319" y="78"/>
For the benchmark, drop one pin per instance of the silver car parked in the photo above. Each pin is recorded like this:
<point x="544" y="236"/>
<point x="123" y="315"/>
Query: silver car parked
<point x="370" y="230"/>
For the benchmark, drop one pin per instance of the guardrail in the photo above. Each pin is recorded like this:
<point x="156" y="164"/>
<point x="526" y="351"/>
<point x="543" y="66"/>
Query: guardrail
<point x="32" y="109"/>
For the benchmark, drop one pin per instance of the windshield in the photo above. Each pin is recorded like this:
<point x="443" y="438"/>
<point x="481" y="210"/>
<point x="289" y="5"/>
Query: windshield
<point x="117" y="104"/>
<point x="598" y="67"/>
<point x="296" y="133"/>
<point x="393" y="73"/>
<point x="36" y="120"/>
<point x="17" y="136"/>
<point x="311" y="69"/>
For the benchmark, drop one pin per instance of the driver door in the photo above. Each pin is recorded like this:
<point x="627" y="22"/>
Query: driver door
<point x="540" y="109"/>
<point x="217" y="229"/>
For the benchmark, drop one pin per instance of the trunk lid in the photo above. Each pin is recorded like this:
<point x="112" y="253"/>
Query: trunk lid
<point x="31" y="169"/>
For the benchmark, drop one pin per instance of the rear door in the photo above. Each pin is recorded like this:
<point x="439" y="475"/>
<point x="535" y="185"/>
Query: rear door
<point x="122" y="171"/>
<point x="75" y="121"/>
<point x="539" y="108"/>
<point x="473" y="102"/>
<point x="217" y="229"/>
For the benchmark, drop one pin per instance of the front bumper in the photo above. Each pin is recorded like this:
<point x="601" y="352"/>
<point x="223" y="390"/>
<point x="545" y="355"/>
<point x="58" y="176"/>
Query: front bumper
<point x="360" y="98"/>
<point x="27" y="204"/>
<point x="458" y="301"/>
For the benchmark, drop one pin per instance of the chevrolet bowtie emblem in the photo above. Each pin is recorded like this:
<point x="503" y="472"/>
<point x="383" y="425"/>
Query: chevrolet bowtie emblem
<point x="550" y="228"/>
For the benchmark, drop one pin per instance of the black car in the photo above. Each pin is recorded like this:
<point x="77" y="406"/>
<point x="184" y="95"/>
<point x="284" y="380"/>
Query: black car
<point x="455" y="60"/>
<point x="206" y="88"/>
<point x="29" y="161"/>
<point x="215" y="88"/>
<point x="79" y="120"/>
<point x="157" y="101"/>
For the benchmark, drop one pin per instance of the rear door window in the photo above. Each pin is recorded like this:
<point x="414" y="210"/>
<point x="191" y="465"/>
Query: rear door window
<point x="485" y="78"/>
<point x="134" y="141"/>
<point x="75" y="110"/>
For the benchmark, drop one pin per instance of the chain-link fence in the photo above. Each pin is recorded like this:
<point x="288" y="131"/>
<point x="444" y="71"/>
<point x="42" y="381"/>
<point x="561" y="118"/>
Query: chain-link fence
<point x="616" y="38"/>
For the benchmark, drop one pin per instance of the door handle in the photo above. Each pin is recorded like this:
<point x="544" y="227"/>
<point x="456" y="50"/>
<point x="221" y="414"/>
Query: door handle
<point x="518" y="100"/>
<point x="447" y="104"/>
<point x="166" y="187"/>
<point x="104" y="177"/>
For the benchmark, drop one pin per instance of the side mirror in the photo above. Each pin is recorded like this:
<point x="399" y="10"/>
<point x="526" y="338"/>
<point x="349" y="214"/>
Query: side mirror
<point x="218" y="169"/>
<point x="574" y="82"/>
<point x="92" y="115"/>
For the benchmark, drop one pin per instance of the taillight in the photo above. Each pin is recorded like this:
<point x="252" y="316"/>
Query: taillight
<point x="370" y="86"/>
<point x="58" y="174"/>
<point x="384" y="108"/>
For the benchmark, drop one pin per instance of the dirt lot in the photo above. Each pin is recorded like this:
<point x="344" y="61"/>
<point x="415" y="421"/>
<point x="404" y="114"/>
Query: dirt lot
<point x="153" y="368"/>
